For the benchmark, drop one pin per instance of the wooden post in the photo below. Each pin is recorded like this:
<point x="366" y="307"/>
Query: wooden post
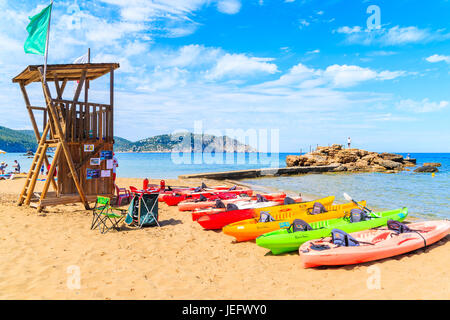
<point x="63" y="143"/>
<point x="110" y="134"/>
<point x="34" y="125"/>
<point x="51" y="172"/>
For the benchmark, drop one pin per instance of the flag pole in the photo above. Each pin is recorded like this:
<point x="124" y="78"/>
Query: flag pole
<point x="46" y="44"/>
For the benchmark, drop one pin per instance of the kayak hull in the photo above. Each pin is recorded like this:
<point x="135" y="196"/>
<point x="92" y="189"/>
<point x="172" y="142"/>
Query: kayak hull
<point x="221" y="219"/>
<point x="375" y="245"/>
<point x="176" y="198"/>
<point x="250" y="229"/>
<point x="191" y="205"/>
<point x="284" y="240"/>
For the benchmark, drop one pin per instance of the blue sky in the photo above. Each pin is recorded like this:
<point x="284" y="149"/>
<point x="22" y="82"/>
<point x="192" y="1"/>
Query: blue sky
<point x="314" y="70"/>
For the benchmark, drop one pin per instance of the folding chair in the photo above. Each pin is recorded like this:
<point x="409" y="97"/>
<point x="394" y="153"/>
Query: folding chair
<point x="143" y="210"/>
<point x="105" y="217"/>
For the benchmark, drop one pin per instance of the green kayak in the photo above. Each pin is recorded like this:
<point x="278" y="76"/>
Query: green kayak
<point x="285" y="240"/>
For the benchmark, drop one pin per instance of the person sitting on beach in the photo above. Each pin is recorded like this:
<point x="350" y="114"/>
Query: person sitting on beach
<point x="3" y="166"/>
<point x="16" y="166"/>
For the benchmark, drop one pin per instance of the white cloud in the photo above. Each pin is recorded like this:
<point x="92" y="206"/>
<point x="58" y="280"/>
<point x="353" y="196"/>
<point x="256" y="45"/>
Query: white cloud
<point x="349" y="30"/>
<point x="392" y="36"/>
<point x="240" y="65"/>
<point x="303" y="23"/>
<point x="337" y="76"/>
<point x="438" y="58"/>
<point x="229" y="6"/>
<point x="423" y="106"/>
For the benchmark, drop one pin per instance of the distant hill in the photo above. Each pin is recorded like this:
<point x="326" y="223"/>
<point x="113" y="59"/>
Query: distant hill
<point x="183" y="142"/>
<point x="17" y="140"/>
<point x="24" y="140"/>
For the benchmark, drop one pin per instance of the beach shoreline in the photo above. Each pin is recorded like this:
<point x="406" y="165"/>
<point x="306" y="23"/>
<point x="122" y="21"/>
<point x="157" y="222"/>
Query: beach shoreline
<point x="180" y="260"/>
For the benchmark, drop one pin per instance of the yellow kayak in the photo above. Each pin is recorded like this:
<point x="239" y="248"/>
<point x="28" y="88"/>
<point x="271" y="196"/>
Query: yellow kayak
<point x="251" y="228"/>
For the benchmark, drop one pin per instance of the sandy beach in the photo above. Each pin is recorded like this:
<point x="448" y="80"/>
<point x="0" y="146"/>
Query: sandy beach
<point x="180" y="260"/>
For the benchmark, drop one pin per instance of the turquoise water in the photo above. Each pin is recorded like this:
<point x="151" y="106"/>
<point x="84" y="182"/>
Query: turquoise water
<point x="424" y="195"/>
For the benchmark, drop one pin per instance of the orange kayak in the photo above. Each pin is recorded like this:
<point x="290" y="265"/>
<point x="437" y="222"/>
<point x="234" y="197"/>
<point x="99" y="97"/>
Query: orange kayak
<point x="373" y="244"/>
<point x="251" y="228"/>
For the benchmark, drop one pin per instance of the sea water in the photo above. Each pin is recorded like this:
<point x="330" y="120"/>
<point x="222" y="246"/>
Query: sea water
<point x="424" y="195"/>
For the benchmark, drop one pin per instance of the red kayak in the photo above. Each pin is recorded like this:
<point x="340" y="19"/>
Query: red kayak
<point x="219" y="220"/>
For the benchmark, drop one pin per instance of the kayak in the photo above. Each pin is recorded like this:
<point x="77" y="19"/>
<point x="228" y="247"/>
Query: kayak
<point x="373" y="244"/>
<point x="175" y="198"/>
<point x="251" y="228"/>
<point x="191" y="205"/>
<point x="241" y="204"/>
<point x="221" y="219"/>
<point x="285" y="240"/>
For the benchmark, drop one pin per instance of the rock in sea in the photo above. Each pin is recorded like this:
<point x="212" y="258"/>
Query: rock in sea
<point x="426" y="169"/>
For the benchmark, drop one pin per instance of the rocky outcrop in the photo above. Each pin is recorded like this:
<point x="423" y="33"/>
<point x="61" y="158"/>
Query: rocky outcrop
<point x="349" y="160"/>
<point x="426" y="169"/>
<point x="432" y="164"/>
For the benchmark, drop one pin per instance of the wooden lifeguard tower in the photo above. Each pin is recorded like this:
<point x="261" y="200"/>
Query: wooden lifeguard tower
<point x="79" y="130"/>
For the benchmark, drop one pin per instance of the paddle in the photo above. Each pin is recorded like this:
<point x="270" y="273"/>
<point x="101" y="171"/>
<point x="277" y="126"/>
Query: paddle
<point x="348" y="198"/>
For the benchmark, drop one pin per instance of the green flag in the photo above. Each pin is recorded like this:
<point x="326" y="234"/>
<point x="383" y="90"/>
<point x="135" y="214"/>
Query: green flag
<point x="37" y="32"/>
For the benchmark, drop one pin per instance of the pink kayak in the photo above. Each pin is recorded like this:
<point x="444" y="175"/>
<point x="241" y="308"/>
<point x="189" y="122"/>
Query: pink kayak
<point x="373" y="244"/>
<point x="191" y="205"/>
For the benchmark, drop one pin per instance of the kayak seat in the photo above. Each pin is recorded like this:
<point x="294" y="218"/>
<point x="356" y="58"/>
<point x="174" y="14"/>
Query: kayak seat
<point x="358" y="215"/>
<point x="342" y="238"/>
<point x="260" y="198"/>
<point x="317" y="208"/>
<point x="300" y="225"/>
<point x="398" y="227"/>
<point x="265" y="217"/>
<point x="231" y="207"/>
<point x="288" y="200"/>
<point x="319" y="247"/>
<point x="220" y="204"/>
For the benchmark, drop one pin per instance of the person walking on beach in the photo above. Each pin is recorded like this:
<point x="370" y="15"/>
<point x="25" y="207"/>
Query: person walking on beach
<point x="16" y="167"/>
<point x="349" y="142"/>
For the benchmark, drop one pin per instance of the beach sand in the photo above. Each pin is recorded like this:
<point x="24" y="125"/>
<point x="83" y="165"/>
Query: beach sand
<point x="42" y="252"/>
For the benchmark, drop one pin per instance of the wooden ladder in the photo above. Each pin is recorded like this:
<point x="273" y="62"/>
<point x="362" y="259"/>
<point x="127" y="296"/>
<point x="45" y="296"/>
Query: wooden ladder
<point x="33" y="173"/>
